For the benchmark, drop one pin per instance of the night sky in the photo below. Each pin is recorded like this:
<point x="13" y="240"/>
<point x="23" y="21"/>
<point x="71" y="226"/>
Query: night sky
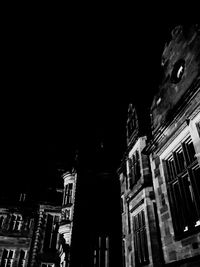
<point x="67" y="87"/>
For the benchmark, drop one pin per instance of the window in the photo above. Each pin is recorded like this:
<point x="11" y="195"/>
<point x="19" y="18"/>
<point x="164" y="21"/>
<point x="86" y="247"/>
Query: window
<point x="134" y="169"/>
<point x="2" y="218"/>
<point x="182" y="174"/>
<point x="22" y="197"/>
<point x="198" y="127"/>
<point x="15" y="222"/>
<point x="140" y="239"/>
<point x="22" y="258"/>
<point x="51" y="232"/>
<point x="68" y="194"/>
<point x="132" y="121"/>
<point x="7" y="258"/>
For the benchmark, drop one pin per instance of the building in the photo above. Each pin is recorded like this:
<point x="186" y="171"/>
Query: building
<point x="139" y="218"/>
<point x="174" y="148"/>
<point x="66" y="223"/>
<point x="29" y="230"/>
<point x="17" y="223"/>
<point x="77" y="225"/>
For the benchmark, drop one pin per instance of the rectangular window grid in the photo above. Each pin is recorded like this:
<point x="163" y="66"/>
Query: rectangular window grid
<point x="68" y="194"/>
<point x="15" y="222"/>
<point x="182" y="174"/>
<point x="7" y="258"/>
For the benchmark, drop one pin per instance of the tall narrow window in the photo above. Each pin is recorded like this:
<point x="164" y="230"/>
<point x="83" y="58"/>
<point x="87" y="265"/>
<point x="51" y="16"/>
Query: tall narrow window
<point x="107" y="251"/>
<point x="182" y="174"/>
<point x="68" y="194"/>
<point x="7" y="258"/>
<point x="198" y="127"/>
<point x="51" y="232"/>
<point x="1" y="221"/>
<point x="130" y="174"/>
<point x="136" y="166"/>
<point x="22" y="258"/>
<point x="140" y="240"/>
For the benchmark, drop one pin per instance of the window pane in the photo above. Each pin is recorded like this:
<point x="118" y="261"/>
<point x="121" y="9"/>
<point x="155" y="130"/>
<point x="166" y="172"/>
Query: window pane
<point x="189" y="202"/>
<point x="48" y="230"/>
<point x="179" y="219"/>
<point x="140" y="239"/>
<point x="198" y="127"/>
<point x="180" y="159"/>
<point x="190" y="150"/>
<point x="195" y="181"/>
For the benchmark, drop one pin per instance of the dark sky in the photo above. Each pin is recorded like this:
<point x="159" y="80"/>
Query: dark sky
<point x="67" y="86"/>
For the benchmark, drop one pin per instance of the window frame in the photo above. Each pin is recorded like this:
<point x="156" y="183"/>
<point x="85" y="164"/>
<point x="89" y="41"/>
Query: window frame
<point x="198" y="127"/>
<point x="51" y="232"/>
<point x="8" y="257"/>
<point x="140" y="238"/>
<point x="134" y="166"/>
<point x="2" y="221"/>
<point x="15" y="223"/>
<point x="180" y="181"/>
<point x="68" y="196"/>
<point x="22" y="261"/>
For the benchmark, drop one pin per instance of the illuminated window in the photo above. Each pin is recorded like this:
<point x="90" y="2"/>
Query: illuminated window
<point x="7" y="258"/>
<point x="15" y="222"/>
<point x="182" y="174"/>
<point x="68" y="194"/>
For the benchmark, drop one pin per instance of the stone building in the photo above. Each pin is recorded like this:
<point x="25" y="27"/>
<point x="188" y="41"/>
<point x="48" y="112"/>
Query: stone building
<point x="78" y="225"/>
<point x="17" y="222"/>
<point x="66" y="223"/>
<point x="174" y="148"/>
<point x="29" y="230"/>
<point x="138" y="207"/>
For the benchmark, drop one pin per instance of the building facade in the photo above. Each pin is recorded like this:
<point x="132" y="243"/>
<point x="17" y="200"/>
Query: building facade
<point x="66" y="223"/>
<point x="174" y="148"/>
<point x="17" y="224"/>
<point x="138" y="207"/>
<point x="38" y="233"/>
